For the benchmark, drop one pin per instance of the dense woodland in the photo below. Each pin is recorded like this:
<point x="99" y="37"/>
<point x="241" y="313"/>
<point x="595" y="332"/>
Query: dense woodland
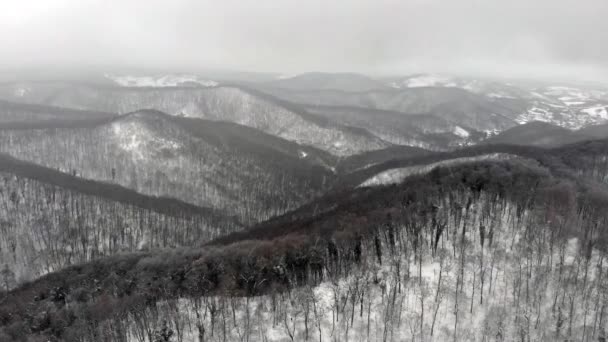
<point x="50" y="220"/>
<point x="507" y="247"/>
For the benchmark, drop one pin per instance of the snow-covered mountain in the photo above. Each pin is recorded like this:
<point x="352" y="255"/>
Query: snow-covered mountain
<point x="161" y="81"/>
<point x="427" y="131"/>
<point x="567" y="106"/>
<point x="226" y="103"/>
<point x="570" y="106"/>
<point x="458" y="106"/>
<point x="429" y="111"/>
<point x="236" y="169"/>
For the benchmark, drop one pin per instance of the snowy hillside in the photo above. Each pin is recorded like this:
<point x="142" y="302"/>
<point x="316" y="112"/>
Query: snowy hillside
<point x="161" y="81"/>
<point x="567" y="106"/>
<point x="232" y="104"/>
<point x="217" y="165"/>
<point x="490" y="250"/>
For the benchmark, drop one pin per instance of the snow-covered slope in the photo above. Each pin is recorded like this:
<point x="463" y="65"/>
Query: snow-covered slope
<point x="160" y="81"/>
<point x="424" y="80"/>
<point x="219" y="165"/>
<point x="566" y="106"/>
<point x="230" y="104"/>
<point x="458" y="106"/>
<point x="396" y="176"/>
<point x="490" y="251"/>
<point x="423" y="130"/>
<point x="563" y="105"/>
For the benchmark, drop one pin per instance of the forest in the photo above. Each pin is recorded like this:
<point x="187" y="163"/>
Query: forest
<point x="511" y="243"/>
<point x="50" y="220"/>
<point x="224" y="166"/>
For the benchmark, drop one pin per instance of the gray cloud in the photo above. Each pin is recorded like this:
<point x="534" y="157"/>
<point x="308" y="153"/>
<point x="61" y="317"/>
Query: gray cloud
<point x="503" y="37"/>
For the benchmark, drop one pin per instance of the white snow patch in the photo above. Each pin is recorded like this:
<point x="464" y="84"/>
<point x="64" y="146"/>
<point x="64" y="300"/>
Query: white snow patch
<point x="491" y="132"/>
<point x="287" y="76"/>
<point x="461" y="132"/>
<point x="160" y="81"/>
<point x="302" y="154"/>
<point x="139" y="141"/>
<point x="500" y="95"/>
<point x="600" y="112"/>
<point x="394" y="176"/>
<point x="424" y="81"/>
<point x="535" y="114"/>
<point x="21" y="91"/>
<point x="574" y="103"/>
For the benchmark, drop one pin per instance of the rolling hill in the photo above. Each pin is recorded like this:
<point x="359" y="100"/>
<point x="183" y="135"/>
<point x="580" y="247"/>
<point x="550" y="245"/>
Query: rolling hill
<point x="222" y="103"/>
<point x="458" y="106"/>
<point x="221" y="165"/>
<point x="538" y="133"/>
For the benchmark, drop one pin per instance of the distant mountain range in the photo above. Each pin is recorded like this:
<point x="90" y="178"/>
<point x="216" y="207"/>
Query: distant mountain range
<point x="343" y="114"/>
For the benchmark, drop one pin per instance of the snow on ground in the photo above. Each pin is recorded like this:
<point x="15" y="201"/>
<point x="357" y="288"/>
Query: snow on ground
<point x="535" y="114"/>
<point x="394" y="176"/>
<point x="491" y="132"/>
<point x="424" y="81"/>
<point x="160" y="81"/>
<point x="573" y="103"/>
<point x="599" y="112"/>
<point x="287" y="76"/>
<point x="135" y="138"/>
<point x="524" y="292"/>
<point x="461" y="132"/>
<point x="500" y="95"/>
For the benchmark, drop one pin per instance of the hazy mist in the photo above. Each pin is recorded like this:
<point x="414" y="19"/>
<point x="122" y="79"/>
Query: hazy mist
<point x="560" y="38"/>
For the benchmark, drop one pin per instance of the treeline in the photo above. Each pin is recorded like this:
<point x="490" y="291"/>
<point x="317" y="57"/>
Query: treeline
<point x="50" y="220"/>
<point x="487" y="251"/>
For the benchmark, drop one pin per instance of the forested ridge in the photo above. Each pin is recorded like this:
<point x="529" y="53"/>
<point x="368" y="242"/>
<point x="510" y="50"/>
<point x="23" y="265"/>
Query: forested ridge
<point x="587" y="159"/>
<point x="222" y="165"/>
<point x="234" y="103"/>
<point x="50" y="220"/>
<point x="501" y="250"/>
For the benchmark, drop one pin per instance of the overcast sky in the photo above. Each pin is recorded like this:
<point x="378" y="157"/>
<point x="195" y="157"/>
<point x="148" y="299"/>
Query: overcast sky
<point x="504" y="37"/>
